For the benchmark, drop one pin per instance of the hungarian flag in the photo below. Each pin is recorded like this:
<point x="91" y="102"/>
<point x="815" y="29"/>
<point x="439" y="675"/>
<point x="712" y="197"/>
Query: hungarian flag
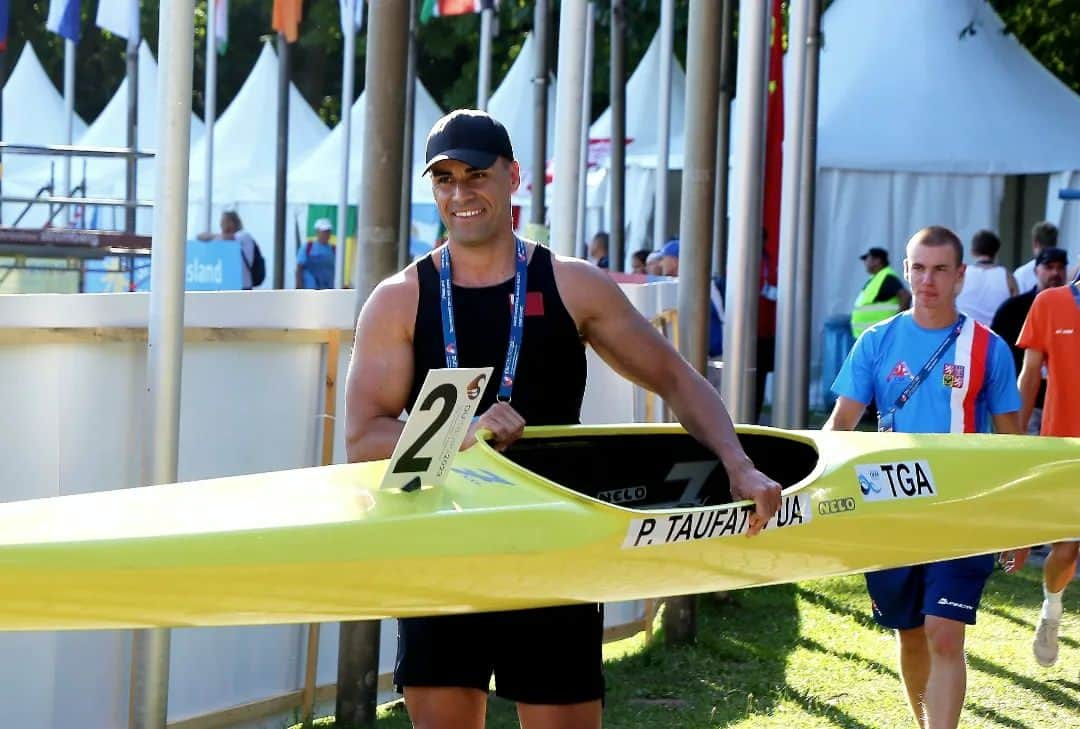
<point x="438" y="8"/>
<point x="286" y="18"/>
<point x="774" y="166"/>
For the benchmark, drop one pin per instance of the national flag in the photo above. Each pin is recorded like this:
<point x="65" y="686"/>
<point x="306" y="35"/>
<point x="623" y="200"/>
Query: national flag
<point x="64" y="19"/>
<point x="119" y="17"/>
<point x="5" y="13"/>
<point x="358" y="15"/>
<point x="221" y="24"/>
<point x="286" y="18"/>
<point x="438" y="8"/>
<point x="774" y="166"/>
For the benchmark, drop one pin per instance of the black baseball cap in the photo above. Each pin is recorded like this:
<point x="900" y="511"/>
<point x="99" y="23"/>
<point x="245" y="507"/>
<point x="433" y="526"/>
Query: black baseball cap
<point x="879" y="253"/>
<point x="470" y="136"/>
<point x="1052" y="255"/>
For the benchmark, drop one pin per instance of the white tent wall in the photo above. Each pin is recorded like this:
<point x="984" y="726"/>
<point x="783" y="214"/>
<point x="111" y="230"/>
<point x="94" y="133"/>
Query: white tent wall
<point x="245" y="136"/>
<point x="30" y="88"/>
<point x="54" y="447"/>
<point x="850" y="218"/>
<point x="106" y="178"/>
<point x="1065" y="214"/>
<point x="316" y="178"/>
<point x="512" y="104"/>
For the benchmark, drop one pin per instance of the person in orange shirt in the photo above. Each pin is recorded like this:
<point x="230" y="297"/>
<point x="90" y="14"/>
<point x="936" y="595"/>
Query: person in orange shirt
<point x="1051" y="337"/>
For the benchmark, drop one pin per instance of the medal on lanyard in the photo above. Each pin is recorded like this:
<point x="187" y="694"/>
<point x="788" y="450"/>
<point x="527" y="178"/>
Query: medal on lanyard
<point x="517" y="320"/>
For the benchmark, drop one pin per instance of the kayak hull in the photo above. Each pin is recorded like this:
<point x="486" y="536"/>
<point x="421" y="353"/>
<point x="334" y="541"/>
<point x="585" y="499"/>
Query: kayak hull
<point x="323" y="544"/>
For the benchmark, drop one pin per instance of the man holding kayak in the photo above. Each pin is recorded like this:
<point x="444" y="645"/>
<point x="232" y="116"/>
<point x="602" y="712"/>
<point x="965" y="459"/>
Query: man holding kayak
<point x="930" y="370"/>
<point x="483" y="294"/>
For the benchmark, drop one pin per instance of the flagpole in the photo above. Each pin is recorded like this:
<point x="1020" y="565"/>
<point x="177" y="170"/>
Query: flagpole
<point x="348" y="74"/>
<point x="210" y="113"/>
<point x="132" y="129"/>
<point x="69" y="111"/>
<point x="483" y="81"/>
<point x="405" y="232"/>
<point x="282" y="161"/>
<point x="663" y="125"/>
<point x="540" y="113"/>
<point x="586" y="112"/>
<point x="617" y="164"/>
<point x="568" y="126"/>
<point x="149" y="691"/>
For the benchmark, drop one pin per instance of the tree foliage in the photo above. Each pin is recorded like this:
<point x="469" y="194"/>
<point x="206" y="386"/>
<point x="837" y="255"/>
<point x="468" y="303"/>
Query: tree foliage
<point x="447" y="47"/>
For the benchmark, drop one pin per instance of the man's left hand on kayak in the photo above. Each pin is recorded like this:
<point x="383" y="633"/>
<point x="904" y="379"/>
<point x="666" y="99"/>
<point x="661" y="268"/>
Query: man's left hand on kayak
<point x="750" y="483"/>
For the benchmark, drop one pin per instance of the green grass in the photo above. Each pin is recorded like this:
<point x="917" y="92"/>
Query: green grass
<point x="808" y="656"/>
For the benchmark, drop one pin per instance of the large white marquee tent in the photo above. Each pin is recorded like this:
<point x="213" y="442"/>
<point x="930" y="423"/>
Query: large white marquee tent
<point x="33" y="114"/>
<point x="925" y="106"/>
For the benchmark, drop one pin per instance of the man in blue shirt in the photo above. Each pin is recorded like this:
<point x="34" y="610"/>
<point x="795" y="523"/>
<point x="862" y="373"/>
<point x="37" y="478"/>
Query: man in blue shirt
<point x="930" y="370"/>
<point x="316" y="259"/>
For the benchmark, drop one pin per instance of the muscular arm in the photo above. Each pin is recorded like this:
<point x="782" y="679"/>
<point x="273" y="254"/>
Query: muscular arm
<point x="631" y="346"/>
<point x="1028" y="383"/>
<point x="380" y="370"/>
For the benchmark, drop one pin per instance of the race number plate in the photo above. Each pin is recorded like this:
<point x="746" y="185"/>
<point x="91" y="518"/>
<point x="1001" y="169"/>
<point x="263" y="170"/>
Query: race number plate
<point x="436" y="427"/>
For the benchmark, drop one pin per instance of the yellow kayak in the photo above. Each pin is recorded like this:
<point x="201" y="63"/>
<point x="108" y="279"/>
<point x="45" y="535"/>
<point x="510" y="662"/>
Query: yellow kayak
<point x="570" y="514"/>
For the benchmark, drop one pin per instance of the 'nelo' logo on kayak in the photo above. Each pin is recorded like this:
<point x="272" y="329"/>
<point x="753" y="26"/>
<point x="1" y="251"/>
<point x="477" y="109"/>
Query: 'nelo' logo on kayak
<point x="711" y="523"/>
<point x="475" y="387"/>
<point x="901" y="480"/>
<point x="836" y="506"/>
<point x="630" y="495"/>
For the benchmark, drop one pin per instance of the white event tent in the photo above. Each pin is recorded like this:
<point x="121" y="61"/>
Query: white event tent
<point x="33" y="114"/>
<point x="106" y="177"/>
<point x="245" y="139"/>
<point x="641" y="151"/>
<point x="512" y="104"/>
<point x="925" y="106"/>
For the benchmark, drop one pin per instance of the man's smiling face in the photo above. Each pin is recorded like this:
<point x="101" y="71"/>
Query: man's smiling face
<point x="474" y="204"/>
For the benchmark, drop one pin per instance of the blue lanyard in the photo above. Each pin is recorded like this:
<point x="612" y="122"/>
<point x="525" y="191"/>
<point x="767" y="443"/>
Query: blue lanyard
<point x="517" y="321"/>
<point x="1075" y="288"/>
<point x="929" y="366"/>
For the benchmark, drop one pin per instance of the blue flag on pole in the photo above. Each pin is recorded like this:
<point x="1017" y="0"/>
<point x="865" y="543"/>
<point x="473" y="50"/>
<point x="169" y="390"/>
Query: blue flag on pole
<point x="64" y="19"/>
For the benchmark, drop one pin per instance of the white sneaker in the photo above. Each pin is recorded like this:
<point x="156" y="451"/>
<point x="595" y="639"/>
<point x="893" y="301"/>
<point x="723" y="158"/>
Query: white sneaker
<point x="1045" y="646"/>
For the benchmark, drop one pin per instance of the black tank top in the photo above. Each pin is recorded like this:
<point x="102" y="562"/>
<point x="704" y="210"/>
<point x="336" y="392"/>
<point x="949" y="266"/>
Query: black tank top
<point x="550" y="381"/>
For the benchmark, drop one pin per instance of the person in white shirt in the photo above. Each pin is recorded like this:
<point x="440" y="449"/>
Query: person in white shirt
<point x="1043" y="235"/>
<point x="987" y="284"/>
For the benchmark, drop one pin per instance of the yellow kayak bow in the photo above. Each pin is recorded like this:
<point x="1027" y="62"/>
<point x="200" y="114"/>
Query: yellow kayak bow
<point x="568" y="514"/>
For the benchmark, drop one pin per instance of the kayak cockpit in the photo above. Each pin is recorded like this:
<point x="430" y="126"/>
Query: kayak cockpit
<point x="656" y="470"/>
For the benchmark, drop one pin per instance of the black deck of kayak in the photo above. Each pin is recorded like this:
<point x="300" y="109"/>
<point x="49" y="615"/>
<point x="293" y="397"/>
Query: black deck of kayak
<point x="656" y="470"/>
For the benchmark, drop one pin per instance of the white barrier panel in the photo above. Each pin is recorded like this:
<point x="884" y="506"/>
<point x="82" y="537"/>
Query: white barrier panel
<point x="73" y="387"/>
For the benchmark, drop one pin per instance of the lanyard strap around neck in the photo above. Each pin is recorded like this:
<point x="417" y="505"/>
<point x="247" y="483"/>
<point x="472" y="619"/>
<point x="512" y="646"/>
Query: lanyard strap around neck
<point x="929" y="366"/>
<point x="517" y="320"/>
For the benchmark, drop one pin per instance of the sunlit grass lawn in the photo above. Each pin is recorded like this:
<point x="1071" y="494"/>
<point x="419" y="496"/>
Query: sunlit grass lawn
<point x="808" y="656"/>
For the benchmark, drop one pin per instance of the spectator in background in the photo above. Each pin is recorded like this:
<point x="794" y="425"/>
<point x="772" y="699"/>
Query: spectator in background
<point x="766" y="321"/>
<point x="882" y="296"/>
<point x="315" y="261"/>
<point x="986" y="283"/>
<point x="1050" y="267"/>
<point x="1051" y="339"/>
<point x="669" y="258"/>
<point x="639" y="261"/>
<point x="598" y="250"/>
<point x="654" y="264"/>
<point x="1043" y="235"/>
<point x="232" y="228"/>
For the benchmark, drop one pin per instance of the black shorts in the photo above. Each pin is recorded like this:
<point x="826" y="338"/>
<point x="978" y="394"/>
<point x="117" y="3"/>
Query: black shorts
<point x="542" y="656"/>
